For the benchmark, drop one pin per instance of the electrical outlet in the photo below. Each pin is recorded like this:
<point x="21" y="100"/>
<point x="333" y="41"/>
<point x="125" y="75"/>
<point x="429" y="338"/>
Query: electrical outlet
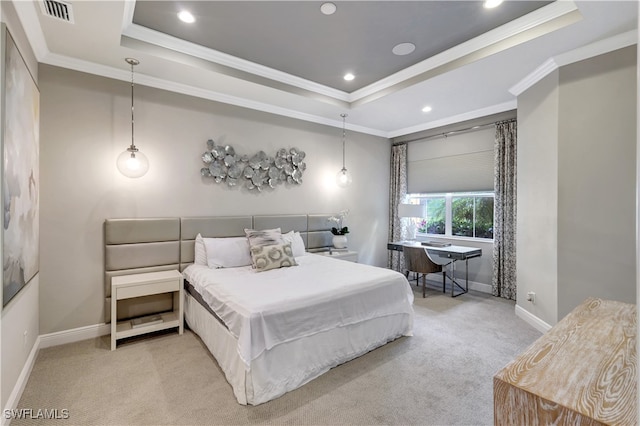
<point x="531" y="297"/>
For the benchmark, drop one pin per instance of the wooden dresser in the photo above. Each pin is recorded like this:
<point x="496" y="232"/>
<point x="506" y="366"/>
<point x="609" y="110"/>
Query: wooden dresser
<point x="583" y="371"/>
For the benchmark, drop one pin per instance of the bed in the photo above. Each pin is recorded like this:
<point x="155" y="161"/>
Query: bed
<point x="271" y="332"/>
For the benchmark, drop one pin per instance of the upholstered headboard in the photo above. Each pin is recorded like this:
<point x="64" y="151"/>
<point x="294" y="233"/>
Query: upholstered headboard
<point x="157" y="244"/>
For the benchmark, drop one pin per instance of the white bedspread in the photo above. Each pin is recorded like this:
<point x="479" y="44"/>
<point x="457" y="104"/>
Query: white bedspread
<point x="264" y="309"/>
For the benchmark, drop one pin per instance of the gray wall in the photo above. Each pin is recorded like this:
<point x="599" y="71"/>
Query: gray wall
<point x="537" y="204"/>
<point x="19" y="319"/>
<point x="85" y="124"/>
<point x="596" y="180"/>
<point x="576" y="186"/>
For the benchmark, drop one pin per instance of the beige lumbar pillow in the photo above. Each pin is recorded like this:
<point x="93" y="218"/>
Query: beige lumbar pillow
<point x="273" y="256"/>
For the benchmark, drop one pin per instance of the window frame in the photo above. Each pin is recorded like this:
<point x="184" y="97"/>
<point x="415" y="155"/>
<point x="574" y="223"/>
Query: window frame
<point x="449" y="196"/>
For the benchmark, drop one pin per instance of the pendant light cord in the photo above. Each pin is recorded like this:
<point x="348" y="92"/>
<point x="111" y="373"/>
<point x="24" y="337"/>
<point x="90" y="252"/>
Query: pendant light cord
<point x="133" y="62"/>
<point x="133" y="145"/>
<point x="344" y="116"/>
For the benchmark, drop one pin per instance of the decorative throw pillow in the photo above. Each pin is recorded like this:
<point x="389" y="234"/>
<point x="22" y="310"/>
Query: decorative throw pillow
<point x="200" y="253"/>
<point x="265" y="237"/>
<point x="273" y="256"/>
<point x="297" y="245"/>
<point x="227" y="252"/>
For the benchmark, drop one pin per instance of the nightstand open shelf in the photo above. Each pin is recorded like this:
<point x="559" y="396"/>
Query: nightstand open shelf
<point x="124" y="328"/>
<point x="138" y="285"/>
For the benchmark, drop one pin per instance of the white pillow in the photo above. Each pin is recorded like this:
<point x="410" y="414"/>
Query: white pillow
<point x="297" y="245"/>
<point x="227" y="252"/>
<point x="200" y="253"/>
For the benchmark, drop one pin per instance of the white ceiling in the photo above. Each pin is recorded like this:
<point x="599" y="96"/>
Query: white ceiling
<point x="476" y="77"/>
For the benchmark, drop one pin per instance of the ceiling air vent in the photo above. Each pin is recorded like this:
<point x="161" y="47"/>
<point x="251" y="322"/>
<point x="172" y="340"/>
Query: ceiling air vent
<point x="57" y="9"/>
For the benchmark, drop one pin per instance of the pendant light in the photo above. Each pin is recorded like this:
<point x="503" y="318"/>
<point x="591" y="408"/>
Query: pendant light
<point x="343" y="178"/>
<point x="132" y="163"/>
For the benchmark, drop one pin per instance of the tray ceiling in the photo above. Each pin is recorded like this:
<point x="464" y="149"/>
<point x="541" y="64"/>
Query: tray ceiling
<point x="288" y="58"/>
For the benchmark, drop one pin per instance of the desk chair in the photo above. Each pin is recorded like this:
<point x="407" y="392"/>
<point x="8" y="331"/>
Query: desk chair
<point x="416" y="260"/>
<point x="447" y="263"/>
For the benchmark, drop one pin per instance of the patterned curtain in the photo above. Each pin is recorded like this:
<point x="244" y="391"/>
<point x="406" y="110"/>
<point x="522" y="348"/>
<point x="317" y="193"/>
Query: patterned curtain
<point x="397" y="195"/>
<point x="504" y="220"/>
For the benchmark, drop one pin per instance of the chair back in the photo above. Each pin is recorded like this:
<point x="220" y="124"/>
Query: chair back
<point x="438" y="260"/>
<point x="417" y="260"/>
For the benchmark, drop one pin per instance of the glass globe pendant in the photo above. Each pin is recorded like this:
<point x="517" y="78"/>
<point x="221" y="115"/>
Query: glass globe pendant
<point x="343" y="178"/>
<point x="132" y="163"/>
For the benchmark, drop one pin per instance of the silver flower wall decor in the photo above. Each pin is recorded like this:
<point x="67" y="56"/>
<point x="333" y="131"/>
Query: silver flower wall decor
<point x="256" y="172"/>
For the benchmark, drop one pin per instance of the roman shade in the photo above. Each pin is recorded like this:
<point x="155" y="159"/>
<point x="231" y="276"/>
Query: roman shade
<point x="456" y="163"/>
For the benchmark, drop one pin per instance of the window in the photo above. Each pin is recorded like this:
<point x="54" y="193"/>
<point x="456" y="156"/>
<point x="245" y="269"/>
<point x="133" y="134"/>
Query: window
<point x="435" y="222"/>
<point x="467" y="215"/>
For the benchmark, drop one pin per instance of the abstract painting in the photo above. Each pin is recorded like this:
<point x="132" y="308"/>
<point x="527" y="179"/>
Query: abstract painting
<point x="20" y="177"/>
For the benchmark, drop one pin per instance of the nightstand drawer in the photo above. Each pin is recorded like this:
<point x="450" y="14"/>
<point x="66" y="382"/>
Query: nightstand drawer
<point x="350" y="256"/>
<point x="155" y="287"/>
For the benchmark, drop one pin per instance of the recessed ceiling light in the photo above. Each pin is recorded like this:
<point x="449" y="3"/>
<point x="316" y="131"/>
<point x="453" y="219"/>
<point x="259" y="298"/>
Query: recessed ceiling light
<point x="426" y="109"/>
<point x="186" y="16"/>
<point x="348" y="76"/>
<point x="490" y="4"/>
<point x="328" y="8"/>
<point x="403" y="49"/>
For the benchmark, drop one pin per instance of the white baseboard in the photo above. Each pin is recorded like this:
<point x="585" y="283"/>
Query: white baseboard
<point x="16" y="394"/>
<point x="532" y="320"/>
<point x="74" y="335"/>
<point x="473" y="285"/>
<point x="481" y="287"/>
<point x="47" y="341"/>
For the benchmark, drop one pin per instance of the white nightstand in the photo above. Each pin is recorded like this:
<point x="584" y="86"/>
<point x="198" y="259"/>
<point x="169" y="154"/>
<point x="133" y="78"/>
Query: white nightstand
<point x="350" y="256"/>
<point x="137" y="285"/>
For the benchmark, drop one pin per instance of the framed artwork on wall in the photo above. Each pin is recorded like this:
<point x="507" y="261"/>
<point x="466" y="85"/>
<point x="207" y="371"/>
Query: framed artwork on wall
<point x="19" y="139"/>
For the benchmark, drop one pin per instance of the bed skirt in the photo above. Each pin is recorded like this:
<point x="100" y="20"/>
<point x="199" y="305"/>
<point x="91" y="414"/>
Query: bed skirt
<point x="289" y="365"/>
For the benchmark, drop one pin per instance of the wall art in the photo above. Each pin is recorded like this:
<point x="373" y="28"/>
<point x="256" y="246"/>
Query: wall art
<point x="253" y="172"/>
<point x="20" y="178"/>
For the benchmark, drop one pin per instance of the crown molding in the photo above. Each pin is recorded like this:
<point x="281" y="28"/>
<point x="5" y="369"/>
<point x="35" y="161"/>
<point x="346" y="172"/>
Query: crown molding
<point x="381" y="87"/>
<point x="580" y="54"/>
<point x="598" y="48"/>
<point x="158" y="83"/>
<point x="482" y="112"/>
<point x="536" y="75"/>
<point x="28" y="16"/>
<point x="157" y="38"/>
<point x="534" y="19"/>
<point x="127" y="14"/>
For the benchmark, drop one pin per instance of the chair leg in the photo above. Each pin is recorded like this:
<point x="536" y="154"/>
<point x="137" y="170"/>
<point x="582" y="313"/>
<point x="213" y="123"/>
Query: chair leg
<point x="424" y="285"/>
<point x="444" y="280"/>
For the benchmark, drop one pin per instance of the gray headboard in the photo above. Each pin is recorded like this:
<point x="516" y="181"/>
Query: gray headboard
<point x="157" y="244"/>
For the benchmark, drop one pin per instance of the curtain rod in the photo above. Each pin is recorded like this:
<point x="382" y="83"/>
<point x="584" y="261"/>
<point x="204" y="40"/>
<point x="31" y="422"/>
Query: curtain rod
<point x="449" y="133"/>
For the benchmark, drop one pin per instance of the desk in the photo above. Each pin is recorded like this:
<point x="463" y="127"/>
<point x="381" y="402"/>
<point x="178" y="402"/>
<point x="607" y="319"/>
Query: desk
<point x="452" y="252"/>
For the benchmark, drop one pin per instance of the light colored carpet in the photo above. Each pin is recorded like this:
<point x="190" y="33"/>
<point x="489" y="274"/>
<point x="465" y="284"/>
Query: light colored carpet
<point x="440" y="376"/>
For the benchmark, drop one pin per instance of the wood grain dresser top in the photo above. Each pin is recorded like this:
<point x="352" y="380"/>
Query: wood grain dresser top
<point x="587" y="363"/>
